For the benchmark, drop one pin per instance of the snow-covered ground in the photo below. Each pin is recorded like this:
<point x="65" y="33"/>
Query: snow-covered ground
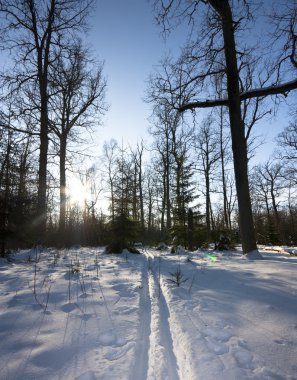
<point x="79" y="314"/>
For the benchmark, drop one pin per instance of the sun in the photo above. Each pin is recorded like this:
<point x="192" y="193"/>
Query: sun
<point x="76" y="191"/>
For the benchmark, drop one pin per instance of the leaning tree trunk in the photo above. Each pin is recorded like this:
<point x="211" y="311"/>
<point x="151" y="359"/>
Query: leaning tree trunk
<point x="239" y="147"/>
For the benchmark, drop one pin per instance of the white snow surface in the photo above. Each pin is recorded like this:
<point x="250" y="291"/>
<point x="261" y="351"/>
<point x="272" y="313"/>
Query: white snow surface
<point x="80" y="314"/>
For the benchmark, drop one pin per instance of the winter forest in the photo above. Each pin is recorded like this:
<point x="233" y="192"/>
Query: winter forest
<point x="195" y="182"/>
<point x="171" y="257"/>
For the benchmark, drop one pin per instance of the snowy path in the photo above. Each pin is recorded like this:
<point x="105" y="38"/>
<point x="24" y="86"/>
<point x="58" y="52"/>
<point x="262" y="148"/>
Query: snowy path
<point x="163" y="362"/>
<point x="140" y="370"/>
<point x="103" y="317"/>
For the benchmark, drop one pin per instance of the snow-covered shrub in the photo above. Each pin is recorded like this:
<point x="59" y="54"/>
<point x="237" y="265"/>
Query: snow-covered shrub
<point x="180" y="250"/>
<point x="117" y="247"/>
<point x="162" y="246"/>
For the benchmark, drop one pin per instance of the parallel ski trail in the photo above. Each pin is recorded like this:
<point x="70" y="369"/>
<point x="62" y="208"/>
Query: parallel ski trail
<point x="162" y="359"/>
<point x="140" y="369"/>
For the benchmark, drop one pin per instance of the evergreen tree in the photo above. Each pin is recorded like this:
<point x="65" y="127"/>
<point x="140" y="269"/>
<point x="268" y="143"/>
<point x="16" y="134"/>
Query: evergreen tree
<point x="184" y="196"/>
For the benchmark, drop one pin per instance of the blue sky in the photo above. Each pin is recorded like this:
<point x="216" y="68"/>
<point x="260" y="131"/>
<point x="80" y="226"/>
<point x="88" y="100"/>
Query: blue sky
<point x="124" y="35"/>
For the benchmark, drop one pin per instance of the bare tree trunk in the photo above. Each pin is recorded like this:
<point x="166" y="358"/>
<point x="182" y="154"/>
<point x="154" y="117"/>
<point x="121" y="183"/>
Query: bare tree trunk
<point x="150" y="209"/>
<point x="207" y="203"/>
<point x="42" y="176"/>
<point x="239" y="147"/>
<point x="140" y="184"/>
<point x="112" y="201"/>
<point x="137" y="156"/>
<point x="4" y="208"/>
<point x="291" y="213"/>
<point x="23" y="171"/>
<point x="168" y="202"/>
<point x="62" y="221"/>
<point x="212" y="219"/>
<point x="43" y="52"/>
<point x="134" y="194"/>
<point x="163" y="205"/>
<point x="225" y="200"/>
<point x="267" y="209"/>
<point x="275" y="210"/>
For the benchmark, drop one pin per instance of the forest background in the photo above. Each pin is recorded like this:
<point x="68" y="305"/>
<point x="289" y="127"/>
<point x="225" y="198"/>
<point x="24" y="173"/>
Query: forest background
<point x="175" y="183"/>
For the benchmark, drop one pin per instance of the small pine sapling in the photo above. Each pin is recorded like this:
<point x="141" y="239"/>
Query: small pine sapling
<point x="97" y="265"/>
<point x="69" y="284"/>
<point x="47" y="295"/>
<point x="82" y="284"/>
<point x="178" y="277"/>
<point x="34" y="286"/>
<point x="75" y="266"/>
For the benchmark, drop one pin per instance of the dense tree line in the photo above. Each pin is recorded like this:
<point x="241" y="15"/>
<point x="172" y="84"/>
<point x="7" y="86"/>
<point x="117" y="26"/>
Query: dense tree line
<point x="195" y="181"/>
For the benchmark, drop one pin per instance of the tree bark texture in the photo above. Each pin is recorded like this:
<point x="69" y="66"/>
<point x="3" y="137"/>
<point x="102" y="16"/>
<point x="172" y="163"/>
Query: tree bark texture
<point x="239" y="147"/>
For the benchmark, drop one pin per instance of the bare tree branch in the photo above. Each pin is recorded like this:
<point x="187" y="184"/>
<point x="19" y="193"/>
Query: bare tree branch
<point x="282" y="89"/>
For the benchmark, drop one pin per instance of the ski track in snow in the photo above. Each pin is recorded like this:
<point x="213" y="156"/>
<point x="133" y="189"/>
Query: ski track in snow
<point x="122" y="318"/>
<point x="162" y="359"/>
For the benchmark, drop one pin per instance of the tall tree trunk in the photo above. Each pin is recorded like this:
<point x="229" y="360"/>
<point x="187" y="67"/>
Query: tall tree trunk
<point x="141" y="201"/>
<point x="23" y="172"/>
<point x="163" y="205"/>
<point x="291" y="213"/>
<point x="267" y="209"/>
<point x="62" y="221"/>
<point x="276" y="215"/>
<point x="168" y="202"/>
<point x="43" y="52"/>
<point x="140" y="184"/>
<point x="239" y="147"/>
<point x="42" y="179"/>
<point x="4" y="209"/>
<point x="150" y="209"/>
<point x="134" y="194"/>
<point x="112" y="200"/>
<point x="225" y="200"/>
<point x="275" y="209"/>
<point x="207" y="203"/>
<point x="190" y="229"/>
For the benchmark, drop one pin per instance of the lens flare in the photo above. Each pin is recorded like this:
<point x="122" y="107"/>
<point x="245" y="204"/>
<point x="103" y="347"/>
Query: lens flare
<point x="210" y="257"/>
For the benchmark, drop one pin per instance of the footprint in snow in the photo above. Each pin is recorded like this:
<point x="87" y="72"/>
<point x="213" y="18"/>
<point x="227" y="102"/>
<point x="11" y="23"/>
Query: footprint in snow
<point x="220" y="335"/>
<point x="217" y="347"/>
<point x="107" y="339"/>
<point x="205" y="306"/>
<point x="117" y="353"/>
<point x="244" y="359"/>
<point x="68" y="307"/>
